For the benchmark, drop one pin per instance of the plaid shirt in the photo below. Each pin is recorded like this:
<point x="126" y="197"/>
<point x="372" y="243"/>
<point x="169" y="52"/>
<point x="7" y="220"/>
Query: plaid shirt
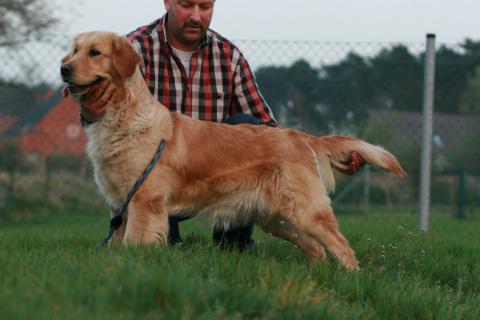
<point x="220" y="82"/>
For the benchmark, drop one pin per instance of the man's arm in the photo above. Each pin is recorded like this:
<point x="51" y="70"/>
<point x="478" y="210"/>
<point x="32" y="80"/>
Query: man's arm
<point x="247" y="97"/>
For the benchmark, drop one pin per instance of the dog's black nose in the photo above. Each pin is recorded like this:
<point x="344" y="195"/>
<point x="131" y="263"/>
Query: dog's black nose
<point x="66" y="71"/>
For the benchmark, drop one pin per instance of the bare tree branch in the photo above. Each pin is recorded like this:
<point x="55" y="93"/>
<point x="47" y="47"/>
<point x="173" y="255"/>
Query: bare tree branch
<point x="21" y="19"/>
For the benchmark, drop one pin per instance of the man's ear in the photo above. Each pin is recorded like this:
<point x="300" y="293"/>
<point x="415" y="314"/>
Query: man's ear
<point x="167" y="4"/>
<point x="125" y="58"/>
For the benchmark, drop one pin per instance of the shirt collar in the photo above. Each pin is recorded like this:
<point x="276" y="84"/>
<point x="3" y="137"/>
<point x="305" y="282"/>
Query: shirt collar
<point x="205" y="40"/>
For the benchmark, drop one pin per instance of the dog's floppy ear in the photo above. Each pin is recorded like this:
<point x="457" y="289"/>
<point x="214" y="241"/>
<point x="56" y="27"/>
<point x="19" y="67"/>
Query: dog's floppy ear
<point x="124" y="57"/>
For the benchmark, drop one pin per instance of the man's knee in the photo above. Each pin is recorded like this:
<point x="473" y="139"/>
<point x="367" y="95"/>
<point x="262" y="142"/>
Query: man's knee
<point x="239" y="118"/>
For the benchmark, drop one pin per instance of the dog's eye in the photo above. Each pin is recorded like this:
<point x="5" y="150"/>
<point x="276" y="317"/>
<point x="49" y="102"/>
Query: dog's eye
<point x="94" y="53"/>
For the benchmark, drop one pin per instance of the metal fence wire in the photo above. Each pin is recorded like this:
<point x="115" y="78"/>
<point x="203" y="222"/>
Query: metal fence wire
<point x="370" y="90"/>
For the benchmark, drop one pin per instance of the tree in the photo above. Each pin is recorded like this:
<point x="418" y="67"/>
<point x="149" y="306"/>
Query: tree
<point x="398" y="79"/>
<point x="20" y="19"/>
<point x="273" y="82"/>
<point x="454" y="68"/>
<point x="470" y="100"/>
<point x="292" y="92"/>
<point x="346" y="90"/>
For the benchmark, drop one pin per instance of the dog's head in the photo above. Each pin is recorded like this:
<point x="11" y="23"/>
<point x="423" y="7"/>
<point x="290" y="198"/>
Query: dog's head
<point x="96" y="56"/>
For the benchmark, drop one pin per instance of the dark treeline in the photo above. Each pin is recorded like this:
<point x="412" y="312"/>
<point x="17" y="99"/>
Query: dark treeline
<point x="342" y="95"/>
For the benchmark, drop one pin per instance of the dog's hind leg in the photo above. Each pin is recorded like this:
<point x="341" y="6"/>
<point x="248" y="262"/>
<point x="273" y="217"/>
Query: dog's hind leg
<point x="309" y="246"/>
<point x="147" y="221"/>
<point x="320" y="223"/>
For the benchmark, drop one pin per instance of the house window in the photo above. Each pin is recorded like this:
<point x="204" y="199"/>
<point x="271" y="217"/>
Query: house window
<point x="73" y="131"/>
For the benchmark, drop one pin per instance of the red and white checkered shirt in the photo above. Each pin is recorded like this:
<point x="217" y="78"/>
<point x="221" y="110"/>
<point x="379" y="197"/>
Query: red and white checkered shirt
<point x="220" y="82"/>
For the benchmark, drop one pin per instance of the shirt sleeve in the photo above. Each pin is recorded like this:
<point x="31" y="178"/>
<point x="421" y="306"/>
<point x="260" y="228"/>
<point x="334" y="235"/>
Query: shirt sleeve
<point x="247" y="97"/>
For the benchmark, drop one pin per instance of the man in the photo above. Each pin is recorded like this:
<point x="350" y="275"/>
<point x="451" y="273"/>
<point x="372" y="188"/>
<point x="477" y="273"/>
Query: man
<point x="191" y="69"/>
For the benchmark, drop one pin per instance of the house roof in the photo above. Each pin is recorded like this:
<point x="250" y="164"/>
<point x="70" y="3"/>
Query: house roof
<point x="52" y="126"/>
<point x="6" y="122"/>
<point x="26" y="123"/>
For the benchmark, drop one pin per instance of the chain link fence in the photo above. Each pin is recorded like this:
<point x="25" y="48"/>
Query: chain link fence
<point x="370" y="90"/>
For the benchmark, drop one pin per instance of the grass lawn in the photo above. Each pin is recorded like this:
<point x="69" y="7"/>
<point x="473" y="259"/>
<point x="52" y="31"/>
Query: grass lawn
<point x="49" y="269"/>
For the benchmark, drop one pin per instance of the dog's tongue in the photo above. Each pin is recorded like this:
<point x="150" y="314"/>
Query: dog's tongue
<point x="65" y="91"/>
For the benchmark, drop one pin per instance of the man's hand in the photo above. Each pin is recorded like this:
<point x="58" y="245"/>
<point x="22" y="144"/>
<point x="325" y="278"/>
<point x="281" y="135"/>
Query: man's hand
<point x="94" y="102"/>
<point x="352" y="165"/>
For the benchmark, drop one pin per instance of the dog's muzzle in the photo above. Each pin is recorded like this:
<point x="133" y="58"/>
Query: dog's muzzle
<point x="67" y="72"/>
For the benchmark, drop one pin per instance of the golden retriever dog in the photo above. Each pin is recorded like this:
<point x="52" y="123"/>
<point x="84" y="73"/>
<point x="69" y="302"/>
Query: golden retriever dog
<point x="279" y="178"/>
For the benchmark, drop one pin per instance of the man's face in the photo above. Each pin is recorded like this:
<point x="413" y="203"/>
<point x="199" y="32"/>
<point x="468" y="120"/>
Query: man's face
<point x="188" y="21"/>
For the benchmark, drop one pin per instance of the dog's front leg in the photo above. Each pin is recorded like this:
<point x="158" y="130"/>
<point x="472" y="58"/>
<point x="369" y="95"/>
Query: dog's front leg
<point x="147" y="222"/>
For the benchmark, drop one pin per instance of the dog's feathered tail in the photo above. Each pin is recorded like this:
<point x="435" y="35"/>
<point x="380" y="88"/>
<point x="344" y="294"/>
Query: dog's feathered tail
<point x="333" y="150"/>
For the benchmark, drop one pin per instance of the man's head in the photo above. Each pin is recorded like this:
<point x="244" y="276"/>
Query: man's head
<point x="188" y="21"/>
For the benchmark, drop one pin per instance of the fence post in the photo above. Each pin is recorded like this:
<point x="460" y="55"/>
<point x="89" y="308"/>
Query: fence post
<point x="461" y="193"/>
<point x="427" y="128"/>
<point x="366" y="189"/>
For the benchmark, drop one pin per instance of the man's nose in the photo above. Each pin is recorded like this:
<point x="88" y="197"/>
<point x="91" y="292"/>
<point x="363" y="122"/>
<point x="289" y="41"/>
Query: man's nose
<point x="195" y="15"/>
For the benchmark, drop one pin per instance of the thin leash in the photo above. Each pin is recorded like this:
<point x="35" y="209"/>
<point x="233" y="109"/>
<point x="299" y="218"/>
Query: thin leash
<point x="117" y="218"/>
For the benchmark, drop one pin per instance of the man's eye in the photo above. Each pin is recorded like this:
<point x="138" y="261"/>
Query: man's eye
<point x="94" y="53"/>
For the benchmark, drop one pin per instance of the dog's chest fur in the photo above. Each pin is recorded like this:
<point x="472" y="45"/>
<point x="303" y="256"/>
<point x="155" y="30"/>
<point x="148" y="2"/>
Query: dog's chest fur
<point x="113" y="147"/>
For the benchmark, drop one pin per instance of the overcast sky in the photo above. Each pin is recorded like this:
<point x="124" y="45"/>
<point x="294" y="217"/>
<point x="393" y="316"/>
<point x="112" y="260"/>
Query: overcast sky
<point x="354" y="20"/>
